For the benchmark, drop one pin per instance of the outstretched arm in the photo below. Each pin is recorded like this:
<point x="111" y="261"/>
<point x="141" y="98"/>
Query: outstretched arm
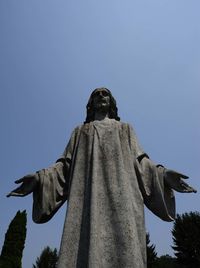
<point x="49" y="187"/>
<point x="157" y="184"/>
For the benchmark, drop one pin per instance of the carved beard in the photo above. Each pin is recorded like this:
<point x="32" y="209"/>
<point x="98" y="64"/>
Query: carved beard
<point x="102" y="106"/>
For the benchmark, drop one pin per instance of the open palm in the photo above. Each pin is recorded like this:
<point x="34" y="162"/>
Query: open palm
<point x="28" y="185"/>
<point x="175" y="181"/>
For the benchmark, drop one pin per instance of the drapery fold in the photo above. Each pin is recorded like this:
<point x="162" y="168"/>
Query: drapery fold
<point x="106" y="178"/>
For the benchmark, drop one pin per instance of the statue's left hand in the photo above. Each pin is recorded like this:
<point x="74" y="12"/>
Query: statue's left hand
<point x="175" y="181"/>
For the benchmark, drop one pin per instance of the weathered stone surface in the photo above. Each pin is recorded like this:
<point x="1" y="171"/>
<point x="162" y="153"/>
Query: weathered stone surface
<point x="104" y="226"/>
<point x="106" y="179"/>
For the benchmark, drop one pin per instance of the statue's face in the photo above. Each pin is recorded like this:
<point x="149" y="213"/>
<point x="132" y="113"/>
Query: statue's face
<point x="101" y="100"/>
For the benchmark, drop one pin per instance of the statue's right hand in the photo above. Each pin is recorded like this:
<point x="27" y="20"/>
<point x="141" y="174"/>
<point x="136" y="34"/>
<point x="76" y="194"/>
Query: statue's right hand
<point x="28" y="184"/>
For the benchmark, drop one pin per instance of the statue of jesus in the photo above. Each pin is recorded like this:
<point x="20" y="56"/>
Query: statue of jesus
<point x="106" y="178"/>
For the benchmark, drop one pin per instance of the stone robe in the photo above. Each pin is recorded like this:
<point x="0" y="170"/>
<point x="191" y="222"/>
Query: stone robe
<point x="106" y="179"/>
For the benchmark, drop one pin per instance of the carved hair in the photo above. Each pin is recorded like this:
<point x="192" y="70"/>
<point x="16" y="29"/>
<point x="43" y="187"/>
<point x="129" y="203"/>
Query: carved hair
<point x="113" y="114"/>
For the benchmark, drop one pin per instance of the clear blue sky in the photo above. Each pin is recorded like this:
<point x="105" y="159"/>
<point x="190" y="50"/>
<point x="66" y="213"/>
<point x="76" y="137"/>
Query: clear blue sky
<point x="53" y="53"/>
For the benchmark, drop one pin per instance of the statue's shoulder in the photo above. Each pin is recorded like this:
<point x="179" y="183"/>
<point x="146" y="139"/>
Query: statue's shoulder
<point x="77" y="129"/>
<point x="125" y="125"/>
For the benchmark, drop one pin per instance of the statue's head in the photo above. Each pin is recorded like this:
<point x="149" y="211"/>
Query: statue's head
<point x="101" y="98"/>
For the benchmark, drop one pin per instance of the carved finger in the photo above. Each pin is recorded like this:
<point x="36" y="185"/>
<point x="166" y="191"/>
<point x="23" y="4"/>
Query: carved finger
<point x="188" y="188"/>
<point x="192" y="190"/>
<point x="19" y="181"/>
<point x="183" y="176"/>
<point x="8" y="195"/>
<point x="15" y="194"/>
<point x="184" y="184"/>
<point x="174" y="174"/>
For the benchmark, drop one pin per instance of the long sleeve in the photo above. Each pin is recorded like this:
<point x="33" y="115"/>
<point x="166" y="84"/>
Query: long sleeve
<point x="158" y="197"/>
<point x="51" y="192"/>
<point x="53" y="185"/>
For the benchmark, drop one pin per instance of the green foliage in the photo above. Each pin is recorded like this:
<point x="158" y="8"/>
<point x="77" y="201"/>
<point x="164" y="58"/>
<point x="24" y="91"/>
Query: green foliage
<point x="12" y="251"/>
<point x="151" y="253"/>
<point x="186" y="238"/>
<point x="166" y="261"/>
<point x="47" y="259"/>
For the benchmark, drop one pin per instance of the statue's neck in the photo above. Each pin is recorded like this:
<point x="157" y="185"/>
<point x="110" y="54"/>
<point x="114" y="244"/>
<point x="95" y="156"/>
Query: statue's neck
<point x="101" y="115"/>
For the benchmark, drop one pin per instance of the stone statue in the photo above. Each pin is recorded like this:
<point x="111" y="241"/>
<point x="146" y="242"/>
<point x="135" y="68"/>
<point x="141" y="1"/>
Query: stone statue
<point x="106" y="178"/>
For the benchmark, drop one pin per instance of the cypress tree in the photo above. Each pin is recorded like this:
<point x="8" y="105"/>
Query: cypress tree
<point x="151" y="253"/>
<point x="12" y="250"/>
<point x="186" y="238"/>
<point x="47" y="259"/>
<point x="166" y="261"/>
